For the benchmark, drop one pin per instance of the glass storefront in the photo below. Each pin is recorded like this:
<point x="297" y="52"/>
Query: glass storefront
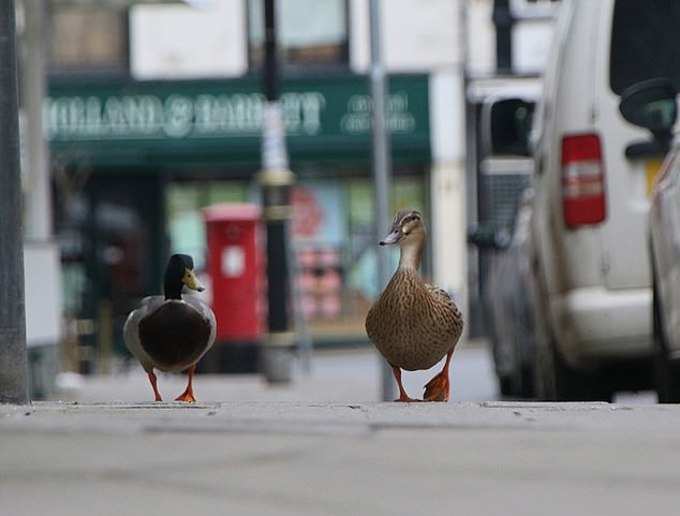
<point x="333" y="246"/>
<point x="159" y="152"/>
<point x="184" y="202"/>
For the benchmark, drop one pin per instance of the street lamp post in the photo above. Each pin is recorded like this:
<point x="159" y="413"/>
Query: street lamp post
<point x="13" y="361"/>
<point x="276" y="180"/>
<point x="382" y="168"/>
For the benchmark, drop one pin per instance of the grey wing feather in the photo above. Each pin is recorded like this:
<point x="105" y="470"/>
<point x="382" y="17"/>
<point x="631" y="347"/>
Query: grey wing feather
<point x="131" y="329"/>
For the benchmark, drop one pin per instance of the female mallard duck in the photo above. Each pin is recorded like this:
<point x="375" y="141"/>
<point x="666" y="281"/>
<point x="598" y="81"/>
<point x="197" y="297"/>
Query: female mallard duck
<point x="169" y="332"/>
<point x="414" y="324"/>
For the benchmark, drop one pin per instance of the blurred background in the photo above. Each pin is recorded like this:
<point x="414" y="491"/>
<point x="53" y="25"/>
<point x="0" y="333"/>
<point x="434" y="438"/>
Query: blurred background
<point x="151" y="113"/>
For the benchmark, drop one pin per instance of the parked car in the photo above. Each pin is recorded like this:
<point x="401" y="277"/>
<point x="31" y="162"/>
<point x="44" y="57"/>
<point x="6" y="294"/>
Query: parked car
<point x="589" y="236"/>
<point x="501" y="228"/>
<point x="508" y="301"/>
<point x="652" y="104"/>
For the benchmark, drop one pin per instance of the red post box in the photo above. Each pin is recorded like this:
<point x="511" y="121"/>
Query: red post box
<point x="235" y="266"/>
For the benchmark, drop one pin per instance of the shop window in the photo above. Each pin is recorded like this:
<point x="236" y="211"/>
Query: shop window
<point x="184" y="204"/>
<point x="335" y="249"/>
<point x="309" y="33"/>
<point x="88" y="39"/>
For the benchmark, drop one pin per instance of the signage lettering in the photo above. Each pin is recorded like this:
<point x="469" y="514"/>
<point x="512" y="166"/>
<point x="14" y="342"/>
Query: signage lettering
<point x="178" y="116"/>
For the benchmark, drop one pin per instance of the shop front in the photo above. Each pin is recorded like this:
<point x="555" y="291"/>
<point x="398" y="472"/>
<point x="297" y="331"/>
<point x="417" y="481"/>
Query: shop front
<point x="136" y="162"/>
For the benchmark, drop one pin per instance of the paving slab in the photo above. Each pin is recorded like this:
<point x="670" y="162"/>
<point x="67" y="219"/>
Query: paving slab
<point x="317" y="458"/>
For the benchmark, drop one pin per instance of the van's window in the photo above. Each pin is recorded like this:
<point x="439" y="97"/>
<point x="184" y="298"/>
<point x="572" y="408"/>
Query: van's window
<point x="645" y="42"/>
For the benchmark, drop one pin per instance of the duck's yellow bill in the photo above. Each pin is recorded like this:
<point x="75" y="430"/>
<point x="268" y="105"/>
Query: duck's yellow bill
<point x="191" y="281"/>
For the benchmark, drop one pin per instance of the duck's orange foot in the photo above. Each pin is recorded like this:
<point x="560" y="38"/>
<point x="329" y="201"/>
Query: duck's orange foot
<point x="187" y="396"/>
<point x="437" y="389"/>
<point x="406" y="399"/>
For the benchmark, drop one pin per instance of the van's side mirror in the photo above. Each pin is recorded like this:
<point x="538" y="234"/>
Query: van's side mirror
<point x="651" y="104"/>
<point x="487" y="236"/>
<point x="506" y="125"/>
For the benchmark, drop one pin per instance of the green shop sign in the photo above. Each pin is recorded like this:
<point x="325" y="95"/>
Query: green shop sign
<point x="219" y="122"/>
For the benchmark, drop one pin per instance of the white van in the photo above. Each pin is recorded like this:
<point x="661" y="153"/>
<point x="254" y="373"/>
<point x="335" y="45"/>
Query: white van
<point x="594" y="175"/>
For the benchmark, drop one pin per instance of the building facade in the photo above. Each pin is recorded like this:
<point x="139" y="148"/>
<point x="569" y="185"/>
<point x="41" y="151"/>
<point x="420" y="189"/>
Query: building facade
<point x="159" y="116"/>
<point x="154" y="113"/>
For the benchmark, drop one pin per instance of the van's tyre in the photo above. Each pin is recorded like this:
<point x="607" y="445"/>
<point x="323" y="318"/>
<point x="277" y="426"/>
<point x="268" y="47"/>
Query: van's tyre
<point x="528" y="389"/>
<point x="666" y="371"/>
<point x="520" y="385"/>
<point x="666" y="378"/>
<point x="506" y="386"/>
<point x="555" y="380"/>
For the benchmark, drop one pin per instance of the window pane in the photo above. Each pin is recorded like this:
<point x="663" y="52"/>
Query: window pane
<point x="645" y="42"/>
<point x="308" y="31"/>
<point x="88" y="38"/>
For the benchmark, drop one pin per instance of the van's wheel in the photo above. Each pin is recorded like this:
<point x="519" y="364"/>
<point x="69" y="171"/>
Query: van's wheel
<point x="555" y="380"/>
<point x="506" y="386"/>
<point x="519" y="383"/>
<point x="666" y="371"/>
<point x="528" y="383"/>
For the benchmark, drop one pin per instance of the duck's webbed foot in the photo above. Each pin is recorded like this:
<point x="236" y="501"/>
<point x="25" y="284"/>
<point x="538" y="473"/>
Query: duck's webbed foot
<point x="437" y="389"/>
<point x="406" y="399"/>
<point x="188" y="394"/>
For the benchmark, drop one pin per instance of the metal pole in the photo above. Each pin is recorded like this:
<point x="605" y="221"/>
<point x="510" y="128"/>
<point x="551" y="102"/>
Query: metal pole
<point x="503" y="20"/>
<point x="382" y="168"/>
<point x="13" y="362"/>
<point x="276" y="180"/>
<point x="39" y="201"/>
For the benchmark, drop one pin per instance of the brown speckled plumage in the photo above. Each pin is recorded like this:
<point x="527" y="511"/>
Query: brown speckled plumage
<point x="413" y="324"/>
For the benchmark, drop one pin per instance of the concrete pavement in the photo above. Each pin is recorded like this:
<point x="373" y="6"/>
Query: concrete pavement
<point x="324" y="445"/>
<point x="318" y="458"/>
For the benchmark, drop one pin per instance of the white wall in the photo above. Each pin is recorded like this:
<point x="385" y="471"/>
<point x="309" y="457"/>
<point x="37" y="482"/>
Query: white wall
<point x="178" y="41"/>
<point x="447" y="183"/>
<point x="481" y="38"/>
<point x="417" y="35"/>
<point x="530" y="45"/>
<point x="531" y="36"/>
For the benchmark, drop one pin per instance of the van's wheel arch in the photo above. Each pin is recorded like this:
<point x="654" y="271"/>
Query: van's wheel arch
<point x="554" y="378"/>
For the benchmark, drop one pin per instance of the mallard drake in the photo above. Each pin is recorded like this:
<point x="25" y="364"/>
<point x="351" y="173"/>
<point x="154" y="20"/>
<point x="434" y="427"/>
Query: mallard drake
<point x="171" y="333"/>
<point x="414" y="324"/>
